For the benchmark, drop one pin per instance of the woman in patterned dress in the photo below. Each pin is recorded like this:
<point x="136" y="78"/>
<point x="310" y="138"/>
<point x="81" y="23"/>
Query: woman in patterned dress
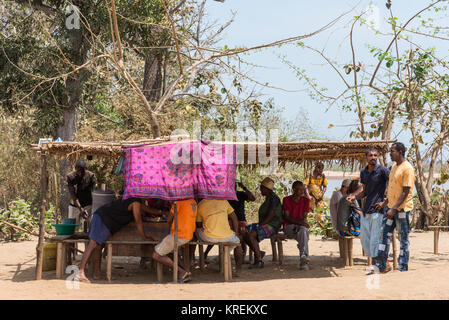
<point x="317" y="185"/>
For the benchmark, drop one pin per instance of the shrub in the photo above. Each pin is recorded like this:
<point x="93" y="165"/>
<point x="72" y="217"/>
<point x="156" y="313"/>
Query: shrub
<point x="20" y="213"/>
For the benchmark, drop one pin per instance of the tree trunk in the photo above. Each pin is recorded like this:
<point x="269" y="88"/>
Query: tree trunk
<point x="78" y="49"/>
<point x="152" y="87"/>
<point x="426" y="203"/>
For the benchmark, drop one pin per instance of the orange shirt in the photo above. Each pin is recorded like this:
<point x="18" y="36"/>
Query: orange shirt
<point x="187" y="210"/>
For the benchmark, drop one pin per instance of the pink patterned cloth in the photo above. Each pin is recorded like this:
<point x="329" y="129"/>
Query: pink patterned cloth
<point x="180" y="170"/>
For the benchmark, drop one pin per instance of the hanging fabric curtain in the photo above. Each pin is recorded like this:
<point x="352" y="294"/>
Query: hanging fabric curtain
<point x="180" y="170"/>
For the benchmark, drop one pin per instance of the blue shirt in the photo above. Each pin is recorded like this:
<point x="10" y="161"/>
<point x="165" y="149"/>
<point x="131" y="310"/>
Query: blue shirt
<point x="375" y="184"/>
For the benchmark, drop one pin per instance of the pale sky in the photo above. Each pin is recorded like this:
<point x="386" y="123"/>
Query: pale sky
<point x="264" y="21"/>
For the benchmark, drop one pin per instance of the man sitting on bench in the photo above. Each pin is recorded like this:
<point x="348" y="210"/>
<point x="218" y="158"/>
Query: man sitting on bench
<point x="295" y="209"/>
<point x="107" y="220"/>
<point x="270" y="221"/>
<point x="187" y="210"/>
<point x="214" y="226"/>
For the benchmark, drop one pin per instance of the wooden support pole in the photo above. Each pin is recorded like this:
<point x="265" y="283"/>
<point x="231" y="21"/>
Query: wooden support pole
<point x="55" y="182"/>
<point x="175" y="250"/>
<point x="436" y="235"/>
<point x="40" y="245"/>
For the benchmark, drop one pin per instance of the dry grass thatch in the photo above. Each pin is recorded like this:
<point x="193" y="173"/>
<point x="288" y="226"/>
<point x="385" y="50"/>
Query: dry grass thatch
<point x="345" y="152"/>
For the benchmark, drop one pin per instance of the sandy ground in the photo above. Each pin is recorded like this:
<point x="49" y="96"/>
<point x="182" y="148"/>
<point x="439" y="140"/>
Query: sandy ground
<point x="427" y="277"/>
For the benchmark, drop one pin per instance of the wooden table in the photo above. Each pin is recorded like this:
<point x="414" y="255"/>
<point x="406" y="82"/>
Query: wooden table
<point x="128" y="242"/>
<point x="129" y="233"/>
<point x="156" y="230"/>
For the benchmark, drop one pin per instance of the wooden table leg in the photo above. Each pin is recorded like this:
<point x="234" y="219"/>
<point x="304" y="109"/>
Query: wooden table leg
<point x="436" y="235"/>
<point x="64" y="258"/>
<point x="187" y="257"/>
<point x="220" y="257"/>
<point x="280" y="251"/>
<point x="230" y="263"/>
<point x="350" y="252"/>
<point x="59" y="258"/>
<point x="345" y="252"/>
<point x="159" y="272"/>
<point x="341" y="246"/>
<point x="109" y="263"/>
<point x="226" y="263"/>
<point x="273" y="249"/>
<point x="201" y="250"/>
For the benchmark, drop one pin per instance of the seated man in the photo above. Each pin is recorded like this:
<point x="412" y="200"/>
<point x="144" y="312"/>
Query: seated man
<point x="239" y="210"/>
<point x="214" y="226"/>
<point x="107" y="220"/>
<point x="187" y="210"/>
<point x="295" y="209"/>
<point x="270" y="220"/>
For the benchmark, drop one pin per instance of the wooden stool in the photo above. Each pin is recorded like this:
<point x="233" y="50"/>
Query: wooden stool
<point x="346" y="246"/>
<point x="276" y="248"/>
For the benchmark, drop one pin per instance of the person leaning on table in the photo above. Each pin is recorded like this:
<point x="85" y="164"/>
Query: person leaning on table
<point x="107" y="220"/>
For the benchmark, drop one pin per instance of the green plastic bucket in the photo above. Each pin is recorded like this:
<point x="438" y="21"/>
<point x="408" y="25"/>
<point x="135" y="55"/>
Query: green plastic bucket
<point x="64" y="228"/>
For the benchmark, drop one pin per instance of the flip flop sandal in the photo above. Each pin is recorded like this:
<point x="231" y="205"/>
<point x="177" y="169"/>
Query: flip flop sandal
<point x="184" y="280"/>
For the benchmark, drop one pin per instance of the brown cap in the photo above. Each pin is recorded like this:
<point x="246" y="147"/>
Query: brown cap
<point x="268" y="183"/>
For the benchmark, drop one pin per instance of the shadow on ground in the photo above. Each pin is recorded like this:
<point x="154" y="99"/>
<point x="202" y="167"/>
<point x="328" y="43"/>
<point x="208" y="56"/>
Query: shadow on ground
<point x="128" y="270"/>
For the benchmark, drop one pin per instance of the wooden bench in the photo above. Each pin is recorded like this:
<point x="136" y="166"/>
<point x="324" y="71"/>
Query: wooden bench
<point x="63" y="254"/>
<point x="276" y="248"/>
<point x="224" y="256"/>
<point x="436" y="236"/>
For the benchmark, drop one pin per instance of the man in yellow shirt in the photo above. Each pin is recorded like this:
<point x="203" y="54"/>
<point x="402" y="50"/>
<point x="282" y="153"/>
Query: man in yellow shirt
<point x="213" y="226"/>
<point x="400" y="204"/>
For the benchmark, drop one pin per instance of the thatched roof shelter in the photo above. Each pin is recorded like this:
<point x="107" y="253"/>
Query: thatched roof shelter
<point x="345" y="152"/>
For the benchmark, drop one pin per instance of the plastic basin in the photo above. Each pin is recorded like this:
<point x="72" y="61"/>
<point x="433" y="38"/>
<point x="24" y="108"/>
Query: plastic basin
<point x="65" y="228"/>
